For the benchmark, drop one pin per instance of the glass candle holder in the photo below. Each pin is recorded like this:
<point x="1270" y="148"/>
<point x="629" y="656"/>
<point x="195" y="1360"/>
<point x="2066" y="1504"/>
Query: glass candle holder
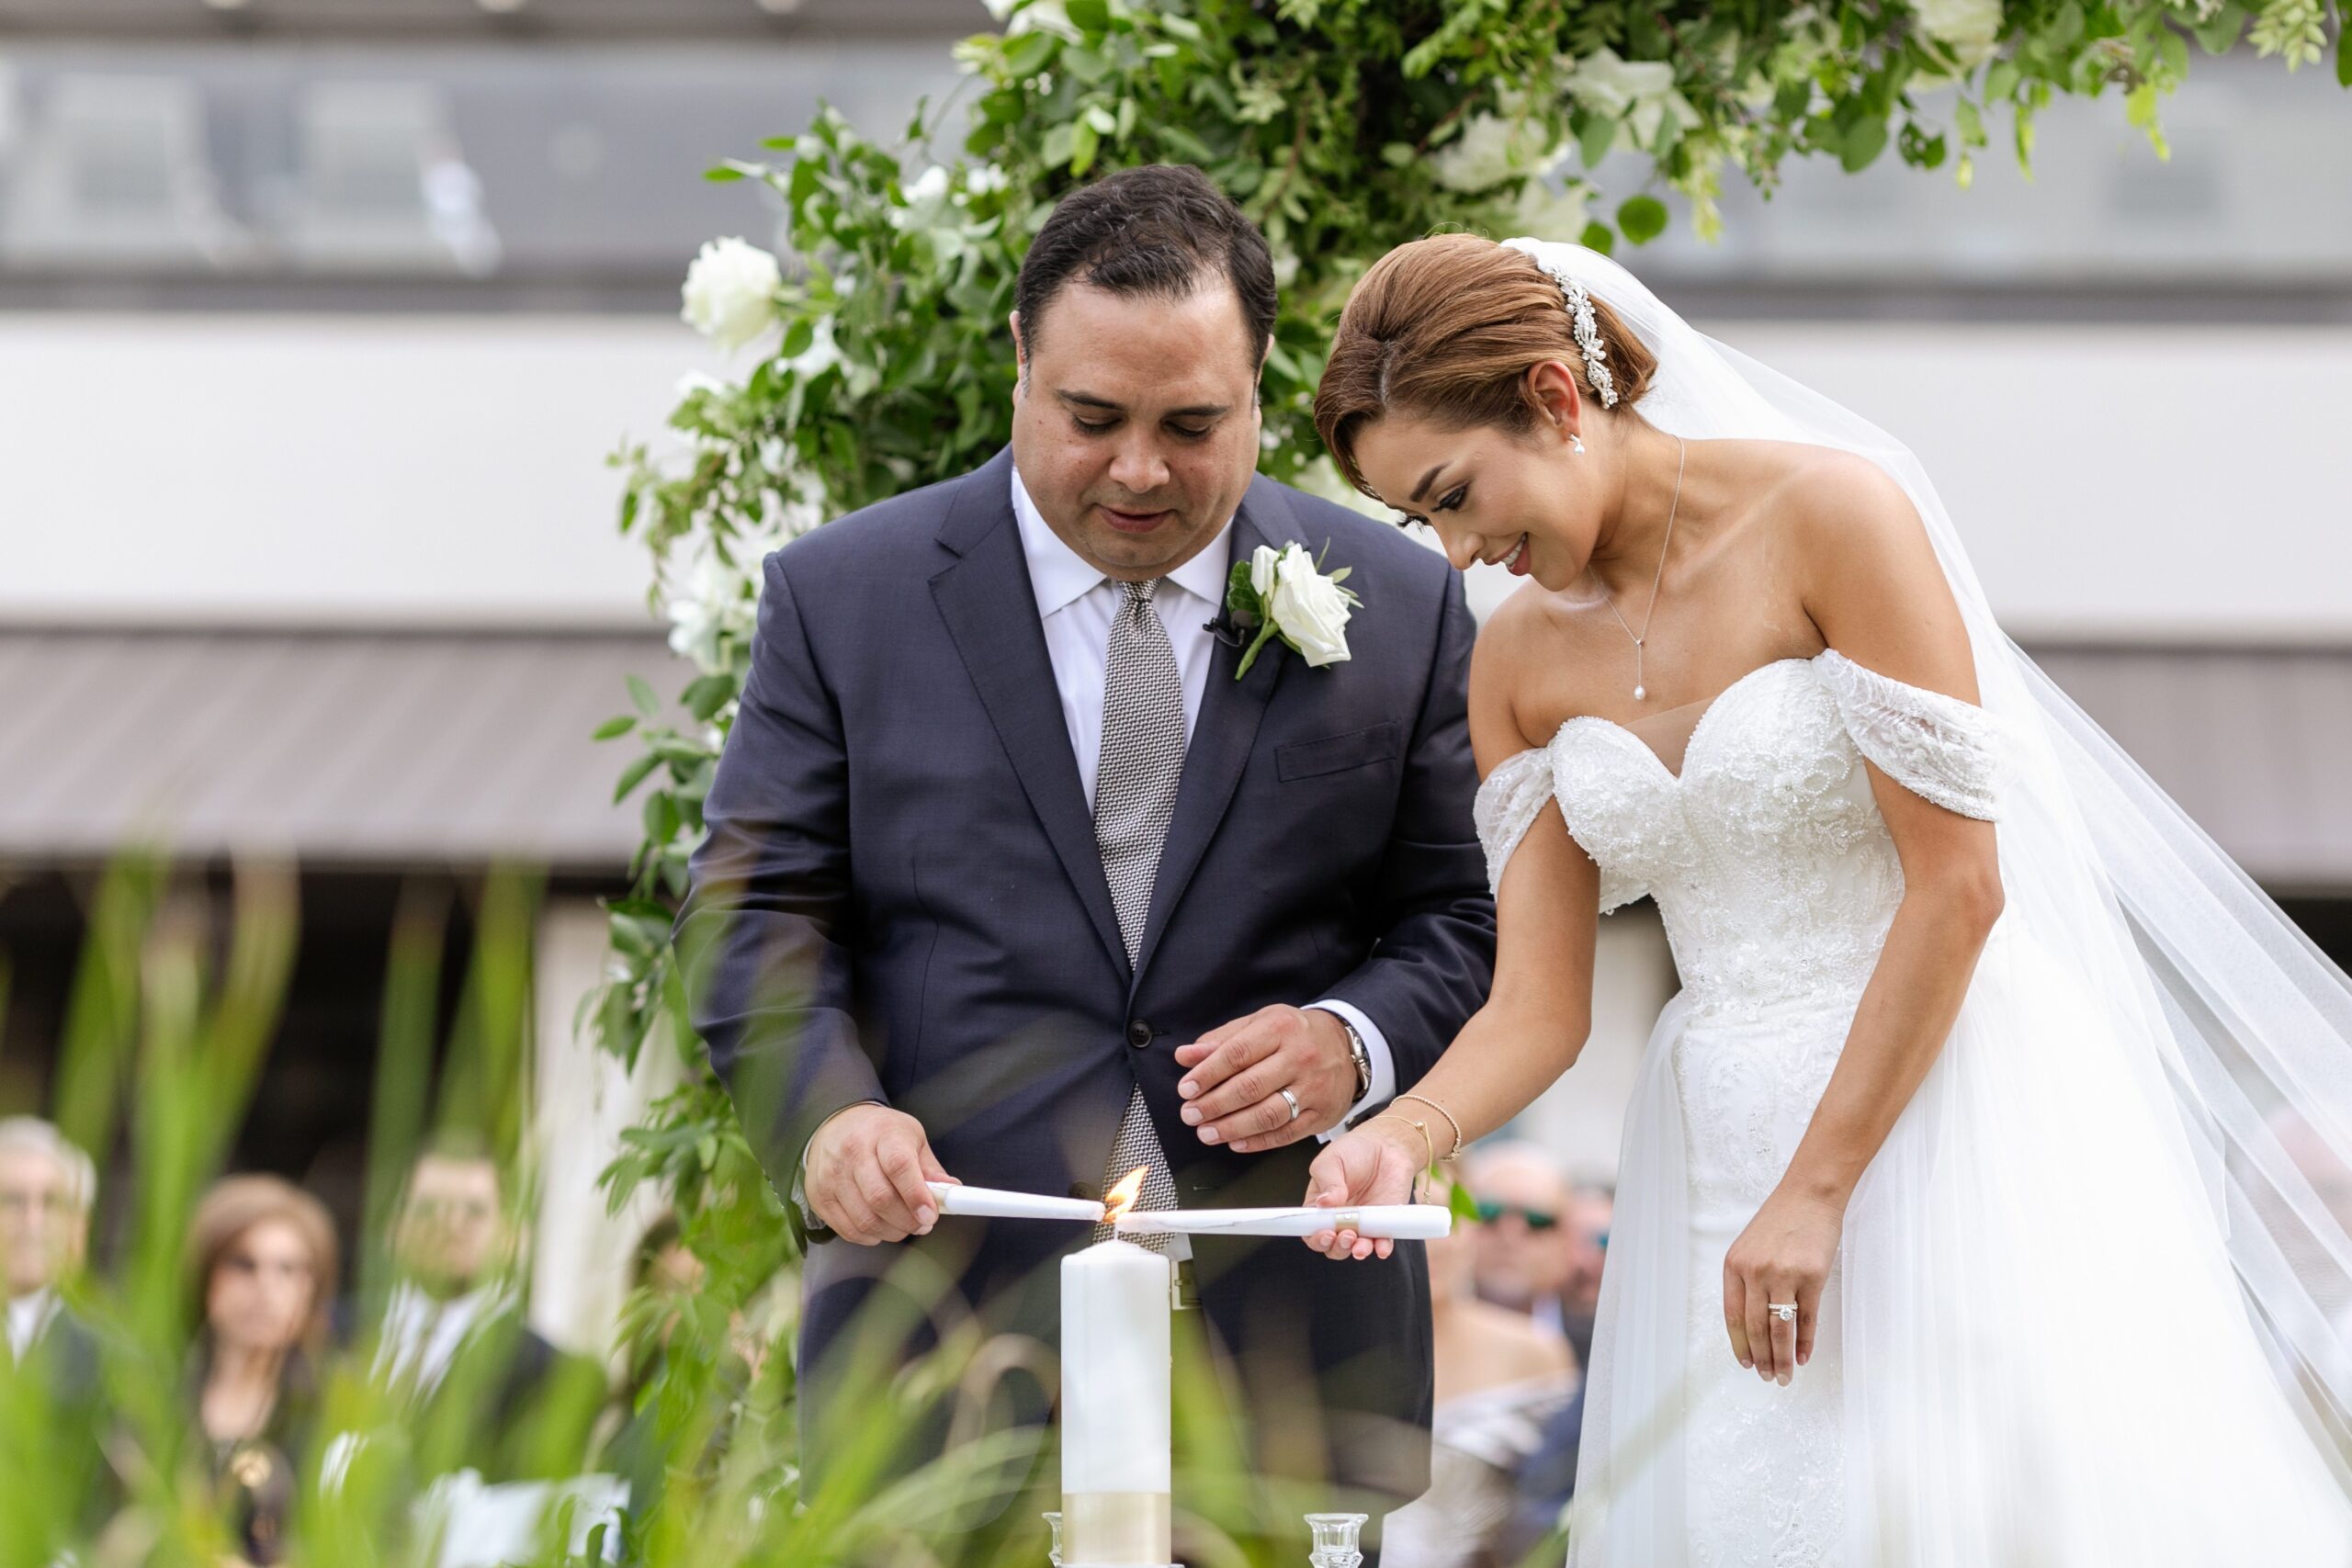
<point x="1335" y="1540"/>
<point x="1054" y="1553"/>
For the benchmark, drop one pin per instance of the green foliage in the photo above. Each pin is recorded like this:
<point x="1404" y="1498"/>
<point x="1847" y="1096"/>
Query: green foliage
<point x="1344" y="128"/>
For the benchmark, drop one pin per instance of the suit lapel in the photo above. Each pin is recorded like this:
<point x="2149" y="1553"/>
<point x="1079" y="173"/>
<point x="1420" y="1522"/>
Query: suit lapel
<point x="991" y="614"/>
<point x="1231" y="711"/>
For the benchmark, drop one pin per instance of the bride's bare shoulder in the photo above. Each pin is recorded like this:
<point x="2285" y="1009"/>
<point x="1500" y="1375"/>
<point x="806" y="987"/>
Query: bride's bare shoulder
<point x="1827" y="500"/>
<point x="1866" y="572"/>
<point x="1518" y="647"/>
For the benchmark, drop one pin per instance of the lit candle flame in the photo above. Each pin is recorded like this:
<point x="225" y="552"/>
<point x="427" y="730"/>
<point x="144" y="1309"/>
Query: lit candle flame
<point x="1121" y="1197"/>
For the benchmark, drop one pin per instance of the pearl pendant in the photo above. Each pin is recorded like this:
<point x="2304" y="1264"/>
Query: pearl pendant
<point x="1639" y="693"/>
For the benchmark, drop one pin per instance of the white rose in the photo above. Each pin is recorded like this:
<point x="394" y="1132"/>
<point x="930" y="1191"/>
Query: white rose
<point x="1606" y="81"/>
<point x="1261" y="571"/>
<point x="986" y="179"/>
<point x="1641" y="93"/>
<point x="1493" y="148"/>
<point x="1309" y="609"/>
<point x="731" y="292"/>
<point x="1969" y="27"/>
<point x="1478" y="158"/>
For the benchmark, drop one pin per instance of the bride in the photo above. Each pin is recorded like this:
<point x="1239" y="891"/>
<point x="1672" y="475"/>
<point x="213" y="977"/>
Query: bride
<point x="1953" y="1225"/>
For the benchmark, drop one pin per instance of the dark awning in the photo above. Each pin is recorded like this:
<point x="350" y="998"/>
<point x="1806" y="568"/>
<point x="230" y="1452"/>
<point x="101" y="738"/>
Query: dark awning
<point x="359" y="749"/>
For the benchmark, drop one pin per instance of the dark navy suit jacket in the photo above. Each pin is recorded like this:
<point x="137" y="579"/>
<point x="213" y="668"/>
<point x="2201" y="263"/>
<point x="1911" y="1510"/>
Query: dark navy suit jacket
<point x="901" y="900"/>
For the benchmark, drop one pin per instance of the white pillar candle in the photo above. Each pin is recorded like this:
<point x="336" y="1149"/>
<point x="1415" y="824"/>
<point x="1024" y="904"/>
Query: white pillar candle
<point x="1115" y="1427"/>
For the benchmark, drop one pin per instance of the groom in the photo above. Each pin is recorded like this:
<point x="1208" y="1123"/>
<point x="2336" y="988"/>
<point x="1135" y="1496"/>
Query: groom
<point x="1010" y="878"/>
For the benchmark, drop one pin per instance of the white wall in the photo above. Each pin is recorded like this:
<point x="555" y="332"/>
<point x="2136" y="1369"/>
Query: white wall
<point x="2135" y="481"/>
<point x="290" y="469"/>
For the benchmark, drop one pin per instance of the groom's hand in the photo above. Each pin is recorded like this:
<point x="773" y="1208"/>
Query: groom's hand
<point x="1234" y="1093"/>
<point x="864" y="1176"/>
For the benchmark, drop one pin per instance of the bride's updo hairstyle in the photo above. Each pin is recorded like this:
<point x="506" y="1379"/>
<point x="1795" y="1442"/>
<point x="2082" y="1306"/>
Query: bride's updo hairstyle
<point x="1447" y="329"/>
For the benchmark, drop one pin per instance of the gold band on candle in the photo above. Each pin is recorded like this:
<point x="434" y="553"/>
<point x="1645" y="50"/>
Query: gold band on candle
<point x="1117" y="1529"/>
<point x="1347" y="1219"/>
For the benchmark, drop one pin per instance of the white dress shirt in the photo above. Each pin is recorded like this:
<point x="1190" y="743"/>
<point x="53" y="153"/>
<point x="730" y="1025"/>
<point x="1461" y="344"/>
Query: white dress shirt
<point x="28" y="1315"/>
<point x="1077" y="606"/>
<point x="422" y="1335"/>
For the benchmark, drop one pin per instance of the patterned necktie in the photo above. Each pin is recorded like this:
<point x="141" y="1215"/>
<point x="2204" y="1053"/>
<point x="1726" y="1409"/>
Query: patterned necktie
<point x="1135" y="798"/>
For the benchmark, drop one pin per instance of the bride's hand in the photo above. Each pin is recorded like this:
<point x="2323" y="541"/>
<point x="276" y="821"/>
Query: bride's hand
<point x="1784" y="1255"/>
<point x="1370" y="1165"/>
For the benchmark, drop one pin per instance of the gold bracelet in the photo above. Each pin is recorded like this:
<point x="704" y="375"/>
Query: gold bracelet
<point x="1428" y="1142"/>
<point x="1449" y="1122"/>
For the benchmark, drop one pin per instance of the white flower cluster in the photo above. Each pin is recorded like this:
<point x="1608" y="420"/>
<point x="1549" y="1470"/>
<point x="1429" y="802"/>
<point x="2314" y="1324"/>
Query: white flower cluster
<point x="1493" y="148"/>
<point x="710" y="602"/>
<point x="731" y="292"/>
<point x="1640" y="93"/>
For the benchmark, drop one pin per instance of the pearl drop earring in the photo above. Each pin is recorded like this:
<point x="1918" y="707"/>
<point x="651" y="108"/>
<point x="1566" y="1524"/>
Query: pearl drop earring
<point x="1576" y="443"/>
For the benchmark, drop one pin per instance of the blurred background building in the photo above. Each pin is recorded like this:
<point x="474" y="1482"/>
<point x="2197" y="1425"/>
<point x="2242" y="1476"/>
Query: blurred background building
<point x="318" y="319"/>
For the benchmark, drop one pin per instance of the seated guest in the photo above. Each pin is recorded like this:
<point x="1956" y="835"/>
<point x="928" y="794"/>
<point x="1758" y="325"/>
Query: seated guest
<point x="480" y="1388"/>
<point x="1523" y="1259"/>
<point x="48" y="1360"/>
<point x="266" y="1260"/>
<point x="1499" y="1378"/>
<point x="1544" y="1482"/>
<point x="46" y="1187"/>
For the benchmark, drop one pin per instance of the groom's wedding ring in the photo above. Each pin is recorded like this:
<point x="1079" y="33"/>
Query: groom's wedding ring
<point x="1785" y="1311"/>
<point x="1293" y="1100"/>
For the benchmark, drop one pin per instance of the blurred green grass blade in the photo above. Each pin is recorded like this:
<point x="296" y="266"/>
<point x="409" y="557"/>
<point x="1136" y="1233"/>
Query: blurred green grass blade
<point x="406" y="1026"/>
<point x="102" y="1016"/>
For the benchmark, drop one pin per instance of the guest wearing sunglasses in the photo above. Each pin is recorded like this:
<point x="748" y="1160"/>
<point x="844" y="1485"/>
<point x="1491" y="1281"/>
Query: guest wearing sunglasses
<point x="1522" y="1257"/>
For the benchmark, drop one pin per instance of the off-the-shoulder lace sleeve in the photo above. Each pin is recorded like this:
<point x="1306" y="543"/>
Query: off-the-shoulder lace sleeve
<point x="1937" y="747"/>
<point x="1507" y="804"/>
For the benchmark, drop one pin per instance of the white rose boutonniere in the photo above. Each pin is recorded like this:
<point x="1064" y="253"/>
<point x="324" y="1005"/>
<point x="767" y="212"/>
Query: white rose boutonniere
<point x="1285" y="594"/>
<point x="729" y="294"/>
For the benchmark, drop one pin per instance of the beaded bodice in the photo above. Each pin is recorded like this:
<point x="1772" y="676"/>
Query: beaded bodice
<point x="1768" y="856"/>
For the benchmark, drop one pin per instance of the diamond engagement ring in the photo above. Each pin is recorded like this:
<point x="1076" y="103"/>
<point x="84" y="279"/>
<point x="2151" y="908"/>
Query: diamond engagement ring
<point x="1293" y="1100"/>
<point x="1785" y="1311"/>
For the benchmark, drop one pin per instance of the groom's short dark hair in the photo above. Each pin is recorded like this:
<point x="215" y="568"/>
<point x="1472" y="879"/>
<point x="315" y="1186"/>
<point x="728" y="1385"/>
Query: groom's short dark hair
<point x="1149" y="231"/>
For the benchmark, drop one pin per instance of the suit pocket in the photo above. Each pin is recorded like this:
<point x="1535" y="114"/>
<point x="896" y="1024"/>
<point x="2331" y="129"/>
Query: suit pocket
<point x="1337" y="754"/>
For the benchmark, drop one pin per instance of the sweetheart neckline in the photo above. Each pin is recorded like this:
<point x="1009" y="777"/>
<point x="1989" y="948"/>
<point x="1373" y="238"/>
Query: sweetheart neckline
<point x="1690" y="745"/>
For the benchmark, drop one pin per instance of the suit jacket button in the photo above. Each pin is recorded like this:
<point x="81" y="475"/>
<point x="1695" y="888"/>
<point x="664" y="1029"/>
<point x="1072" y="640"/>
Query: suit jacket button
<point x="1138" y="1034"/>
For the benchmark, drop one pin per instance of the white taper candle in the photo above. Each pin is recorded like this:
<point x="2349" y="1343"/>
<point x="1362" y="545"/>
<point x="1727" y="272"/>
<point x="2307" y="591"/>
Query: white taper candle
<point x="997" y="1203"/>
<point x="1395" y="1222"/>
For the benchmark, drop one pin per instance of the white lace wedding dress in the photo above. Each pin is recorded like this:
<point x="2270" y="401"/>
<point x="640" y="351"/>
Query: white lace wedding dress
<point x="2033" y="1350"/>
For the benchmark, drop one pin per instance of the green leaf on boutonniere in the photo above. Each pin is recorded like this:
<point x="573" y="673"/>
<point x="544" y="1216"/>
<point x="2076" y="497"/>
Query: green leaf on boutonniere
<point x="1458" y="1200"/>
<point x="1241" y="593"/>
<point x="1242" y="602"/>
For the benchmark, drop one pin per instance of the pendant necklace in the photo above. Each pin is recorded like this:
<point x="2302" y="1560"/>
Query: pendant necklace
<point x="1682" y="453"/>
